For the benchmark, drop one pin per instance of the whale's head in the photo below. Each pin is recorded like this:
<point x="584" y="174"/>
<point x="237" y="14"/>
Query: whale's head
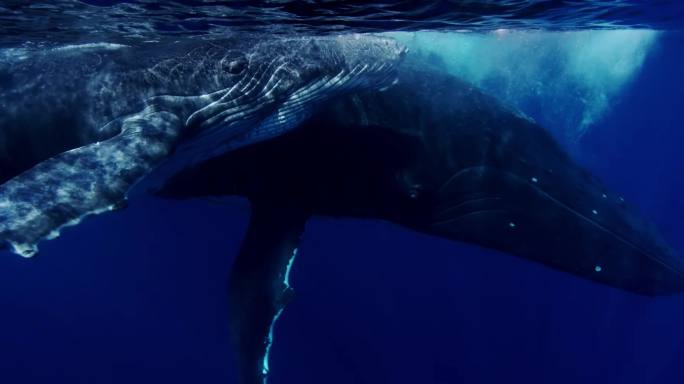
<point x="268" y="86"/>
<point x="278" y="63"/>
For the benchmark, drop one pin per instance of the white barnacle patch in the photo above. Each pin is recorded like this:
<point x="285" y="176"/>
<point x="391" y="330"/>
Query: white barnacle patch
<point x="535" y="180"/>
<point x="595" y="212"/>
<point x="24" y="249"/>
<point x="604" y="196"/>
<point x="53" y="234"/>
<point x="511" y="224"/>
<point x="598" y="268"/>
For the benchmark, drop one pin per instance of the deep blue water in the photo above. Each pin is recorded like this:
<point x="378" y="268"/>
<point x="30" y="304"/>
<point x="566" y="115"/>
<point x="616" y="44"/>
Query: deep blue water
<point x="139" y="296"/>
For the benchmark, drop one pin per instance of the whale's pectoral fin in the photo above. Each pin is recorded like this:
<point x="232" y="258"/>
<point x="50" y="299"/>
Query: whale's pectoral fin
<point x="259" y="288"/>
<point x="86" y="180"/>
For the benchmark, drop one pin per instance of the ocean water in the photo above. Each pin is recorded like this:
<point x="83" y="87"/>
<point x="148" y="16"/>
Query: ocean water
<point x="140" y="294"/>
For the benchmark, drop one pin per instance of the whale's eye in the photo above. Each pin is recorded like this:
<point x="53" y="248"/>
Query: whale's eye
<point x="236" y="66"/>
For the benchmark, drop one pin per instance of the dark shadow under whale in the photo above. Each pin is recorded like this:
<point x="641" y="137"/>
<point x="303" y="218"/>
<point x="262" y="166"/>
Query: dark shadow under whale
<point x="435" y="155"/>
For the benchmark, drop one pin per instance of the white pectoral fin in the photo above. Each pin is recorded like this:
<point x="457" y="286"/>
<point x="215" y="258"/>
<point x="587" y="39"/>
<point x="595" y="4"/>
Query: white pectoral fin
<point x="88" y="180"/>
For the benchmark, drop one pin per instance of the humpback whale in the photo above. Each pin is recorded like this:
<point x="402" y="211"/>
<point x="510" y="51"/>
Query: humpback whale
<point x="81" y="124"/>
<point x="435" y="155"/>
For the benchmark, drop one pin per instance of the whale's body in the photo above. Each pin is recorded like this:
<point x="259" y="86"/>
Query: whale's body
<point x="430" y="153"/>
<point x="435" y="155"/>
<point x="81" y="124"/>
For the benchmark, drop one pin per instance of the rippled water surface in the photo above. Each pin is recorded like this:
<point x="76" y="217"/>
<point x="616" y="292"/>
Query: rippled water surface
<point x="65" y="20"/>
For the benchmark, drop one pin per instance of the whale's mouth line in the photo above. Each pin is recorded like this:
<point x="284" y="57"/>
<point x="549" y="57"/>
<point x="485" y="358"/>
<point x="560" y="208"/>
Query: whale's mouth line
<point x="534" y="185"/>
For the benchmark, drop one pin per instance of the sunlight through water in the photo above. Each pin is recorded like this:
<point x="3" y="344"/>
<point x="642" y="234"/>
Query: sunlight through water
<point x="566" y="81"/>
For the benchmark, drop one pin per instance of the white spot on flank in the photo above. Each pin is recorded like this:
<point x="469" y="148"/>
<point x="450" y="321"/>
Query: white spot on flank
<point x="511" y="224"/>
<point x="604" y="196"/>
<point x="534" y="180"/>
<point x="595" y="212"/>
<point x="598" y="268"/>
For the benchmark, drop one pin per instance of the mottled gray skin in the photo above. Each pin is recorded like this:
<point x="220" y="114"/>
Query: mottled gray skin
<point x="61" y="98"/>
<point x="94" y="119"/>
<point x="65" y="97"/>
